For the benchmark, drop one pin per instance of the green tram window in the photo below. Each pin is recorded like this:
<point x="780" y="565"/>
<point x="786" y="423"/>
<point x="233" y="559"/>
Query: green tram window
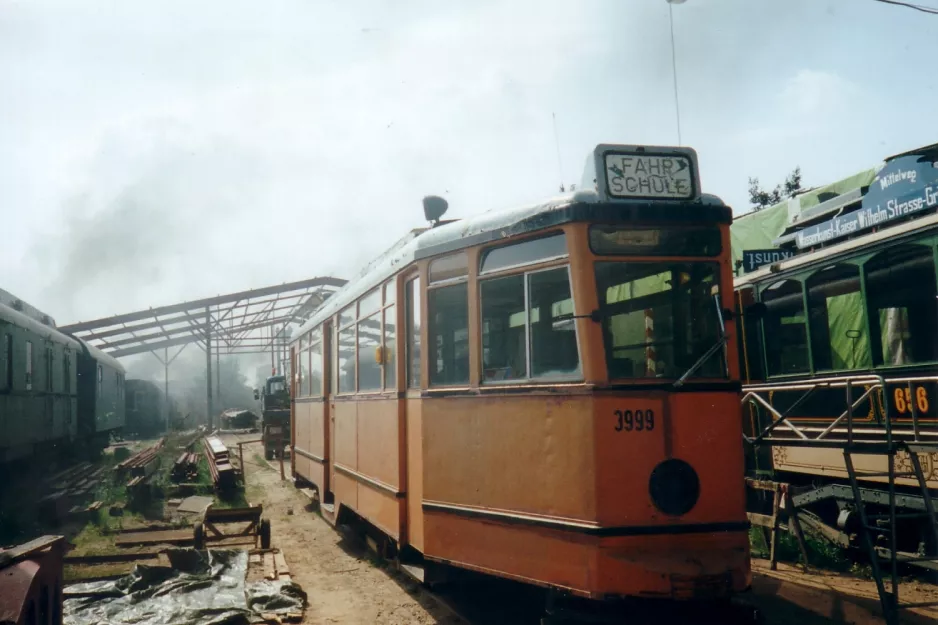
<point x="659" y="318"/>
<point x="653" y="241"/>
<point x="902" y="298"/>
<point x="786" y="337"/>
<point x="839" y="338"/>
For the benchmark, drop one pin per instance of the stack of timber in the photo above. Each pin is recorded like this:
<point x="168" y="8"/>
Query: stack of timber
<point x="144" y="462"/>
<point x="219" y="464"/>
<point x="186" y="467"/>
<point x="68" y="491"/>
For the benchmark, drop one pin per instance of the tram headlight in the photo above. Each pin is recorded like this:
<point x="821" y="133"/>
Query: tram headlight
<point x="674" y="487"/>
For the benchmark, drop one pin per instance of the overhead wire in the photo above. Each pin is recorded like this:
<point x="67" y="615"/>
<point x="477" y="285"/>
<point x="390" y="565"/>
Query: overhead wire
<point x="909" y="5"/>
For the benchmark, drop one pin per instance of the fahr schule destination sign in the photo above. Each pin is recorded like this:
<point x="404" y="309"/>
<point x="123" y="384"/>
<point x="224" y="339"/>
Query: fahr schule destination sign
<point x="904" y="186"/>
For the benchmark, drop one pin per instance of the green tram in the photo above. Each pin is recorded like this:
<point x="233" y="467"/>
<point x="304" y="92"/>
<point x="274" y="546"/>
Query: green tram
<point x="838" y="295"/>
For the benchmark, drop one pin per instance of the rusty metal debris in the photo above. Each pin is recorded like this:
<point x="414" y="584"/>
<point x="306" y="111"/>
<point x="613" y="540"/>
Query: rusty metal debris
<point x="31" y="581"/>
<point x="219" y="464"/>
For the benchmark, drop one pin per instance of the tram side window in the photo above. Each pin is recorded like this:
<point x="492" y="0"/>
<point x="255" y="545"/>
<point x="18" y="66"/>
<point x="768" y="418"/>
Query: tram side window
<point x="8" y="362"/>
<point x="29" y="365"/>
<point x="901" y="296"/>
<point x="837" y="316"/>
<point x="315" y="366"/>
<point x="369" y="339"/>
<point x="786" y="337"/>
<point x="49" y="369"/>
<point x="449" y="334"/>
<point x="413" y="333"/>
<point x="390" y="348"/>
<point x="528" y="337"/>
<point x="346" y="360"/>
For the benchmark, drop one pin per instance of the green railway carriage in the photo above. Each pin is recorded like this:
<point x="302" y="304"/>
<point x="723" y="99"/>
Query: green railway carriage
<point x="56" y="391"/>
<point x="847" y="301"/>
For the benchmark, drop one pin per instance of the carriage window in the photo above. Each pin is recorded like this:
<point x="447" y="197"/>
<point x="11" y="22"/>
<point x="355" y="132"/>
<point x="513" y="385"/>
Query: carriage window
<point x="8" y="359"/>
<point x="837" y="316"/>
<point x="525" y="253"/>
<point x="369" y="303"/>
<point x="347" y="316"/>
<point x="49" y="360"/>
<point x="786" y="337"/>
<point x="315" y="369"/>
<point x="369" y="339"/>
<point x="346" y="360"/>
<point x="449" y="335"/>
<point x="659" y="319"/>
<point x="29" y="365"/>
<point x="553" y="329"/>
<point x="504" y="329"/>
<point x="67" y="371"/>
<point x="302" y="358"/>
<point x="528" y="329"/>
<point x="901" y="297"/>
<point x="390" y="348"/>
<point x="449" y="268"/>
<point x="412" y="294"/>
<point x="100" y="381"/>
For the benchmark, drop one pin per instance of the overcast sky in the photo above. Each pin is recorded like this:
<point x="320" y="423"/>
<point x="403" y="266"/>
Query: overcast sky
<point x="152" y="152"/>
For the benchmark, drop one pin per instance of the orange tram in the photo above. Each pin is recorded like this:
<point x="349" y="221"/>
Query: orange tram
<point x="548" y="394"/>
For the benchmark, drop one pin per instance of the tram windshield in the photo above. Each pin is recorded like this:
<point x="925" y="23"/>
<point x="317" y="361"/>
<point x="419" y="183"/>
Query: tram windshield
<point x="660" y="319"/>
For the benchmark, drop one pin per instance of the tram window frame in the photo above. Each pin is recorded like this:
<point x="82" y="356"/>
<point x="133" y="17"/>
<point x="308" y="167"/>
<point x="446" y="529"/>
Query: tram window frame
<point x="67" y="370"/>
<point x="525" y="253"/>
<point x="29" y="366"/>
<point x="824" y="349"/>
<point x="531" y="347"/>
<point x="448" y="352"/>
<point x="919" y="324"/>
<point x="7" y="363"/>
<point x="412" y="302"/>
<point x="315" y="342"/>
<point x="770" y="338"/>
<point x="49" y="362"/>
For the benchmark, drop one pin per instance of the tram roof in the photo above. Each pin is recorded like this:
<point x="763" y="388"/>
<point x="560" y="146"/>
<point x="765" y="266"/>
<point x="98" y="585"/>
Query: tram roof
<point x="504" y="224"/>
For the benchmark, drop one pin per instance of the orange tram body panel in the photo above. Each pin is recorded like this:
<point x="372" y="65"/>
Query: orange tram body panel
<point x="548" y="394"/>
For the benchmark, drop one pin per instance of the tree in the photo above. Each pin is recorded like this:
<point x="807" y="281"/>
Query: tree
<point x="760" y="198"/>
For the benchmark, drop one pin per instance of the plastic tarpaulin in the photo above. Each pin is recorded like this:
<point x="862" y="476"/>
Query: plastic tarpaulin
<point x="199" y="588"/>
<point x="861" y="179"/>
<point x="757" y="230"/>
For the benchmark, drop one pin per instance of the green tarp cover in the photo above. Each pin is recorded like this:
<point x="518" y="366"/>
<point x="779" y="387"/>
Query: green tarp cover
<point x="757" y="230"/>
<point x="862" y="179"/>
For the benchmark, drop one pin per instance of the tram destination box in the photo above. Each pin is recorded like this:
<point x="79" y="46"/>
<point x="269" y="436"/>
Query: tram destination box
<point x="643" y="173"/>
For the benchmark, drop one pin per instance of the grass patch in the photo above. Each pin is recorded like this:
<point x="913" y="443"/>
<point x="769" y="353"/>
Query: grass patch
<point x="821" y="553"/>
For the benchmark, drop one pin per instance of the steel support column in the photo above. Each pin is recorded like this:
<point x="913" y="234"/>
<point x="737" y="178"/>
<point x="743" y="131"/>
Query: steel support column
<point x="208" y="367"/>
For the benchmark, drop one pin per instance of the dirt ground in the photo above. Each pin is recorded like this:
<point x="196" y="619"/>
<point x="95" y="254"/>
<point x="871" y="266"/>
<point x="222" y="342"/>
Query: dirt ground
<point x="344" y="585"/>
<point x="341" y="581"/>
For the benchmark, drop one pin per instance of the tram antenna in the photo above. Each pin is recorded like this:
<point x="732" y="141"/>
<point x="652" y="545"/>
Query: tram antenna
<point x="557" y="143"/>
<point x="677" y="106"/>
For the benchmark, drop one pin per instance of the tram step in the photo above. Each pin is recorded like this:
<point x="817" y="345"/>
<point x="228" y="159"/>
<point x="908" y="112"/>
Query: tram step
<point x="415" y="571"/>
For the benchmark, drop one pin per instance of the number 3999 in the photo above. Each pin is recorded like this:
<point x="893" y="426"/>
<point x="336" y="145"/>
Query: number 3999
<point x="637" y="420"/>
